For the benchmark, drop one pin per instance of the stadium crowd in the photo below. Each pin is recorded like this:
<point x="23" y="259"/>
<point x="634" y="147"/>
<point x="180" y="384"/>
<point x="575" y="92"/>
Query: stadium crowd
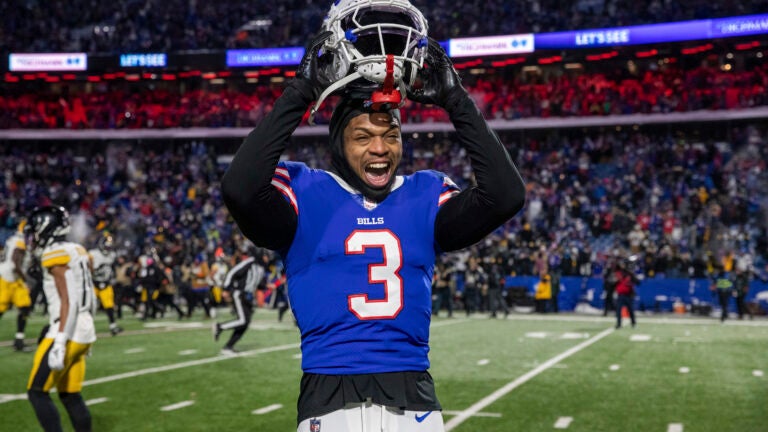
<point x="183" y="25"/>
<point x="672" y="196"/>
<point x="652" y="90"/>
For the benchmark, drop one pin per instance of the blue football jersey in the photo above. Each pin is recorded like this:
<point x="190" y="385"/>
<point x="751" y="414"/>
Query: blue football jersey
<point x="359" y="273"/>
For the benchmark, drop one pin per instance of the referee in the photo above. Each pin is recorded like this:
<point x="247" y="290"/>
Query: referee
<point x="241" y="281"/>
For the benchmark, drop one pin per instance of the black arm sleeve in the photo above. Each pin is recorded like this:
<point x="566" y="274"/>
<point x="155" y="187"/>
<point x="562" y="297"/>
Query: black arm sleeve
<point x="499" y="194"/>
<point x="259" y="209"/>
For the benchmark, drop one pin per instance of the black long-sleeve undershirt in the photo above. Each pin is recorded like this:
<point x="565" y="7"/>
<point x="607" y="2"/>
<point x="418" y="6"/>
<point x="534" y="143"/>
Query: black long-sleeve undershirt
<point x="268" y="220"/>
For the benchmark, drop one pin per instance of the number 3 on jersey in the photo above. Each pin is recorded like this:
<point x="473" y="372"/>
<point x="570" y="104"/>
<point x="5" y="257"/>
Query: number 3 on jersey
<point x="379" y="273"/>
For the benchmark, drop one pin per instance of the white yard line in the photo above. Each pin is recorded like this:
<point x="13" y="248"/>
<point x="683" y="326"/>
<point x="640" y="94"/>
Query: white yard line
<point x="166" y="368"/>
<point x="675" y="427"/>
<point x="178" y="405"/>
<point x="641" y="319"/>
<point x="95" y="401"/>
<point x="563" y="422"/>
<point x="267" y="409"/>
<point x="493" y="397"/>
<point x="480" y="414"/>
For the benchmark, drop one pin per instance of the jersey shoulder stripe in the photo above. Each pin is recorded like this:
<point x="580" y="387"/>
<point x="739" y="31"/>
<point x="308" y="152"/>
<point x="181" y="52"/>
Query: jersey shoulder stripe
<point x="55" y="257"/>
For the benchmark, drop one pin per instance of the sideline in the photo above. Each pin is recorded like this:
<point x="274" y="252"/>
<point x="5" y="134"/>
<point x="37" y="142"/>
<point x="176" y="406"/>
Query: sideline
<point x="498" y="394"/>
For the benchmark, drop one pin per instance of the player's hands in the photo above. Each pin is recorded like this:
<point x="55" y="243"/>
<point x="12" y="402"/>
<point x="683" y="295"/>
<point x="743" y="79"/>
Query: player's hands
<point x="440" y="83"/>
<point x="314" y="70"/>
<point x="58" y="352"/>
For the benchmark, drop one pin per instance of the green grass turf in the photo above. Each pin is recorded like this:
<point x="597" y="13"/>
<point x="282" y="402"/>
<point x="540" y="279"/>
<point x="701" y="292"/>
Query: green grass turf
<point x="165" y="362"/>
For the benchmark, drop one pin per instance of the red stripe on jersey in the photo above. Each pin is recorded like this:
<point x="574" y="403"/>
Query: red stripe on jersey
<point x="287" y="192"/>
<point x="445" y="196"/>
<point x="283" y="173"/>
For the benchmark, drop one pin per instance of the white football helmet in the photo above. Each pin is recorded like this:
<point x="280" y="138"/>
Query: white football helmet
<point x="365" y="33"/>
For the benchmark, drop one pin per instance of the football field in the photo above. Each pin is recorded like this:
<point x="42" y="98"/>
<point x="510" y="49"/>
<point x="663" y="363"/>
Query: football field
<point x="524" y="373"/>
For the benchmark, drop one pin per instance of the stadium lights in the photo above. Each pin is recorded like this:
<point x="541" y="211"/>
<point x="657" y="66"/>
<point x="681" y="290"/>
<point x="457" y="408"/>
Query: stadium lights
<point x="602" y="56"/>
<point x="507" y="62"/>
<point x="550" y="60"/>
<point x="747" y="45"/>
<point x="697" y="49"/>
<point x="645" y="54"/>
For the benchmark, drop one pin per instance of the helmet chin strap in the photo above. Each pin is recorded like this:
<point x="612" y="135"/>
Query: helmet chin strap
<point x="388" y="95"/>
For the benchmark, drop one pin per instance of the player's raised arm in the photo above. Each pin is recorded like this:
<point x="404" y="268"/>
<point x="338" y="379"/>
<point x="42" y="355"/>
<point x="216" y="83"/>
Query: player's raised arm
<point x="500" y="192"/>
<point x="259" y="209"/>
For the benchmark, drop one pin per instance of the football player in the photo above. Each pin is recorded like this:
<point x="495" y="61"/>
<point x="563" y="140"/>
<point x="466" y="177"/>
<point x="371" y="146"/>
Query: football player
<point x="104" y="259"/>
<point x="200" y="287"/>
<point x="359" y="243"/>
<point x="60" y="358"/>
<point x="240" y="283"/>
<point x="13" y="289"/>
<point x="219" y="270"/>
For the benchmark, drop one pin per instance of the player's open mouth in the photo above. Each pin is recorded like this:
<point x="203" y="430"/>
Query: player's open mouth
<point x="377" y="174"/>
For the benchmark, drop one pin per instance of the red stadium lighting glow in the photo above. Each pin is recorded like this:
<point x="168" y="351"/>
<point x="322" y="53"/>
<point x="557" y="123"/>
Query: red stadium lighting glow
<point x="251" y="74"/>
<point x="290" y="74"/>
<point x="11" y="78"/>
<point x="109" y="76"/>
<point x="69" y="77"/>
<point x="28" y="77"/>
<point x="271" y="71"/>
<point x="147" y="75"/>
<point x="649" y="53"/>
<point x="209" y="75"/>
<point x="550" y="60"/>
<point x="132" y="77"/>
<point x="168" y="77"/>
<point x="224" y="74"/>
<point x="52" y="79"/>
<point x="94" y="78"/>
<point x="746" y="46"/>
<point x="602" y="56"/>
<point x="697" y="49"/>
<point x="508" y="62"/>
<point x="468" y="64"/>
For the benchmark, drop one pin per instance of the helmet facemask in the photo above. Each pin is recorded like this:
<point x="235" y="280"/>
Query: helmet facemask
<point x="376" y="45"/>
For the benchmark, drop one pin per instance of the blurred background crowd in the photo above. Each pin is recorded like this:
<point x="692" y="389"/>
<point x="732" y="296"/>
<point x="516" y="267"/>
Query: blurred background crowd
<point x="183" y="25"/>
<point x="681" y="198"/>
